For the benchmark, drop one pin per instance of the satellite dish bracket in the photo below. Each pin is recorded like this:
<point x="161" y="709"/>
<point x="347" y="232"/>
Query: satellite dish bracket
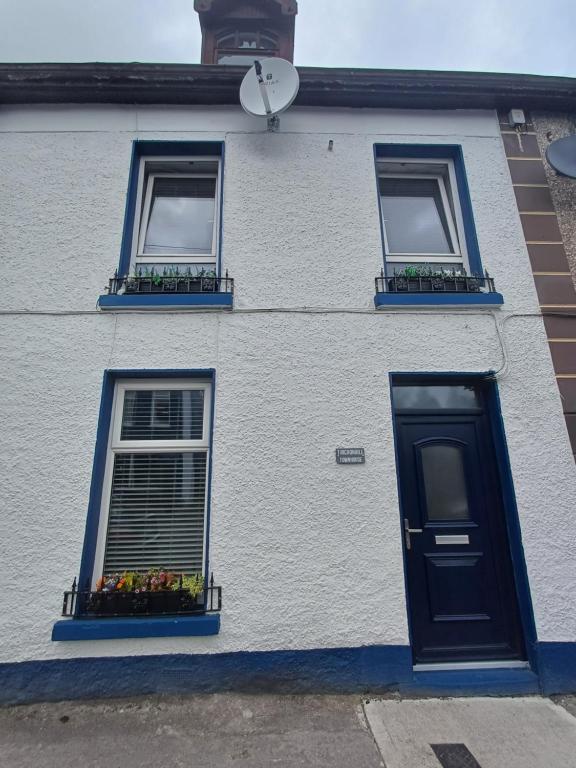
<point x="274" y="124"/>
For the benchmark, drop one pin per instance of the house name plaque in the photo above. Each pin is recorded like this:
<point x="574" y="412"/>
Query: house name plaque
<point x="350" y="456"/>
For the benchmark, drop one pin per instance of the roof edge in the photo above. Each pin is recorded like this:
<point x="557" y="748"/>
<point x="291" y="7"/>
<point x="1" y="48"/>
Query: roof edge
<point x="188" y="84"/>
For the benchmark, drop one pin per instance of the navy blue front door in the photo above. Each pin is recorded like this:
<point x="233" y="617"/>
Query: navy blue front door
<point x="461" y="590"/>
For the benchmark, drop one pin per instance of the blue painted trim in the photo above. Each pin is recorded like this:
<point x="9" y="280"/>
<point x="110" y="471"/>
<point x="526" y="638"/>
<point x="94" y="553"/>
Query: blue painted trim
<point x="557" y="667"/>
<point x="101" y="450"/>
<point x="129" y="212"/>
<point x="385" y="299"/>
<point x="328" y="670"/>
<point x="429" y="152"/>
<point x="391" y="377"/>
<point x="146" y="149"/>
<point x="150" y="147"/>
<point x="512" y="524"/>
<point x="404" y="376"/>
<point x="380" y="217"/>
<point x="467" y="215"/>
<point x="165" y="373"/>
<point x="363" y="670"/>
<point x="98" y="467"/>
<point x="114" y="629"/>
<point x="171" y="300"/>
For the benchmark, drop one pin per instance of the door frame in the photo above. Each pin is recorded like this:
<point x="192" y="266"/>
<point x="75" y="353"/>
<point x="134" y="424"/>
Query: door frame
<point x="509" y="505"/>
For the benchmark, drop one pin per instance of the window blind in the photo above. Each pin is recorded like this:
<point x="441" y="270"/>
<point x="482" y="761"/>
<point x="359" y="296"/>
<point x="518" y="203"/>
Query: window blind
<point x="184" y="187"/>
<point x="156" y="515"/>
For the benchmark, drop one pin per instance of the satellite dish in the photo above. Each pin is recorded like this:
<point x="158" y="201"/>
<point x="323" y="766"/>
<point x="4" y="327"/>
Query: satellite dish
<point x="268" y="88"/>
<point x="561" y="155"/>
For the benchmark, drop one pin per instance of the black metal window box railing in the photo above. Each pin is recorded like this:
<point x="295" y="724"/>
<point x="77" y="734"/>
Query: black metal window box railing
<point x="140" y="284"/>
<point x="171" y="602"/>
<point x="446" y="283"/>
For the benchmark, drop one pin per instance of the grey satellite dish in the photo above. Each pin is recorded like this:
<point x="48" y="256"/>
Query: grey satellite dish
<point x="269" y="88"/>
<point x="561" y="155"/>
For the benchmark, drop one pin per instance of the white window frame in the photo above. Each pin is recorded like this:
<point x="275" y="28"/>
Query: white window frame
<point x="116" y="445"/>
<point x="455" y="222"/>
<point x="144" y="202"/>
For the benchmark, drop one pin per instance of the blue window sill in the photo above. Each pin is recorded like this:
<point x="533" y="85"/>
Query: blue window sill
<point x="166" y="300"/>
<point x="390" y="300"/>
<point x="113" y="629"/>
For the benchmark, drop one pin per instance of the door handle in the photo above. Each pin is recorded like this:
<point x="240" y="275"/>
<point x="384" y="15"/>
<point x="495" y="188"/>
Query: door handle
<point x="408" y="531"/>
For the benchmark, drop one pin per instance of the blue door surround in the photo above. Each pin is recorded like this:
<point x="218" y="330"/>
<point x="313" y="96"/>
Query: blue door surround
<point x="503" y="477"/>
<point x="461" y="591"/>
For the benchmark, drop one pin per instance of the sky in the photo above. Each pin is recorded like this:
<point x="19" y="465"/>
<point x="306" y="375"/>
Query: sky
<point x="476" y="35"/>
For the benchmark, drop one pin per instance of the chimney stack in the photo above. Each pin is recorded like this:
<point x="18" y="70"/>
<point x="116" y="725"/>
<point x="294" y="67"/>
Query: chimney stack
<point x="238" y="31"/>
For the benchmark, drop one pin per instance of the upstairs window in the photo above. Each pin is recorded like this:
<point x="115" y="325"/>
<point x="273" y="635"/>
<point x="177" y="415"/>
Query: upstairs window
<point x="421" y="217"/>
<point x="178" y="213"/>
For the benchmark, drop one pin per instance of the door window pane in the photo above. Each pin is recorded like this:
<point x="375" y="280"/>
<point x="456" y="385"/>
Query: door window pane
<point x="433" y="397"/>
<point x="444" y="483"/>
<point x="414" y="216"/>
<point x="181" y="217"/>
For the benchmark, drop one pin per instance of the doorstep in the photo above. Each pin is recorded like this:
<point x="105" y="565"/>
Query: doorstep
<point x="481" y="681"/>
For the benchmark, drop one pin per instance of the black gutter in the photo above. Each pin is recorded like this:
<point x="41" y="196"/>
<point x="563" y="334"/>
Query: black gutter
<point x="103" y="83"/>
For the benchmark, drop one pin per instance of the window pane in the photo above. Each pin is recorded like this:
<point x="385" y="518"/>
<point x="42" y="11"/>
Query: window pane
<point x="181" y="216"/>
<point x="163" y="414"/>
<point x="414" y="216"/>
<point x="431" y="397"/>
<point x="156" y="515"/>
<point x="444" y="483"/>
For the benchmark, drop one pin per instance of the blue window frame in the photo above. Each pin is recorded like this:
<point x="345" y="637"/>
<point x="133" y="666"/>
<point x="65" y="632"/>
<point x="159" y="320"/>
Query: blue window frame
<point x="172" y="228"/>
<point x="428" y="228"/>
<point x="111" y="408"/>
<point x="451" y="207"/>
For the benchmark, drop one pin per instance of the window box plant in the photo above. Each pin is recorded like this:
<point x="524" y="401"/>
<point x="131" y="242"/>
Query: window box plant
<point x="131" y="285"/>
<point x="425" y="279"/>
<point x="157" y="592"/>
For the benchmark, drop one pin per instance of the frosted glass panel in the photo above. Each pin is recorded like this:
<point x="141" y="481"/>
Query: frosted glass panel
<point x="436" y="396"/>
<point x="444" y="483"/>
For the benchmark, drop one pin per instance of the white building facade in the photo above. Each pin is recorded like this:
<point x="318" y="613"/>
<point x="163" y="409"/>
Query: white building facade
<point x="313" y="556"/>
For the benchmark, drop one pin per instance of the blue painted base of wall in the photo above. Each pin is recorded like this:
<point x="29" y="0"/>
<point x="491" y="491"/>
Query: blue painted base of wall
<point x="166" y="301"/>
<point x="557" y="667"/>
<point x="112" y="629"/>
<point x="463" y="300"/>
<point x="371" y="670"/>
<point x="374" y="669"/>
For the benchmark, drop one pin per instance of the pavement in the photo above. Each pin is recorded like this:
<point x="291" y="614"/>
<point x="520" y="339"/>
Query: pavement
<point x="225" y="730"/>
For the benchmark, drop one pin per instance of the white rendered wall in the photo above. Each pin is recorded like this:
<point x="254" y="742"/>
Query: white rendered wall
<point x="308" y="552"/>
